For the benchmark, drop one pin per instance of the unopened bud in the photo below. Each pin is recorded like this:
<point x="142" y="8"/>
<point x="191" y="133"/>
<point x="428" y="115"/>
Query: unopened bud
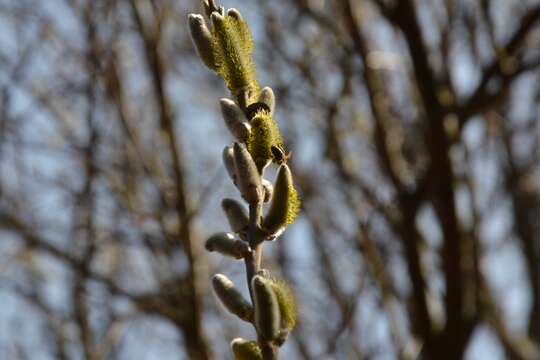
<point x="267" y="317"/>
<point x="202" y="39"/>
<point x="228" y="161"/>
<point x="248" y="178"/>
<point x="231" y="298"/>
<point x="267" y="97"/>
<point x="246" y="350"/>
<point x="225" y="244"/>
<point x="236" y="214"/>
<point x="235" y="120"/>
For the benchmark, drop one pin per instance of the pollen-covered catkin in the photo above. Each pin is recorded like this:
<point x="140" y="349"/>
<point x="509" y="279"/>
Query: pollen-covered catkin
<point x="246" y="350"/>
<point x="233" y="47"/>
<point x="285" y="203"/>
<point x="264" y="134"/>
<point x="287" y="303"/>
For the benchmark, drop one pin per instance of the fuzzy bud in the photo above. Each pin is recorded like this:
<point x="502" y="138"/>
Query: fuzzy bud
<point x="225" y="244"/>
<point x="236" y="214"/>
<point x="231" y="298"/>
<point x="267" y="317"/>
<point x="228" y="161"/>
<point x="246" y="350"/>
<point x="267" y="97"/>
<point x="235" y="120"/>
<point x="202" y="39"/>
<point x="248" y="178"/>
<point x="284" y="205"/>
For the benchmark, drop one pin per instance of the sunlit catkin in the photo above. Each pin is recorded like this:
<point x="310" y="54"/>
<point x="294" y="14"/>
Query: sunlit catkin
<point x="246" y="350"/>
<point x="285" y="203"/>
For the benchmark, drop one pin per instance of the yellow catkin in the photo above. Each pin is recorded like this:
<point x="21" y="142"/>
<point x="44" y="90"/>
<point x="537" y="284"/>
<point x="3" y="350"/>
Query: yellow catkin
<point x="264" y="134"/>
<point x="285" y="204"/>
<point x="287" y="303"/>
<point x="294" y="206"/>
<point x="246" y="350"/>
<point x="244" y="33"/>
<point x="233" y="48"/>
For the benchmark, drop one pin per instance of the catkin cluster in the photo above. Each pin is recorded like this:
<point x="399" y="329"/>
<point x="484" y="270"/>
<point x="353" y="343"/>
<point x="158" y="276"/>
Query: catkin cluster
<point x="226" y="47"/>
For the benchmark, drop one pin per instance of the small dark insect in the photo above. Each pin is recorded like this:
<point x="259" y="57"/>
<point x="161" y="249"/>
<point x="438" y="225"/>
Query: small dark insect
<point x="279" y="154"/>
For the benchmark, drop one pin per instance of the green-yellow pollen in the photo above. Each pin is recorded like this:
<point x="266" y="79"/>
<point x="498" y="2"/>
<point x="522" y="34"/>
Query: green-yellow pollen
<point x="246" y="350"/>
<point x="285" y="204"/>
<point x="233" y="48"/>
<point x="264" y="134"/>
<point x="294" y="205"/>
<point x="287" y="303"/>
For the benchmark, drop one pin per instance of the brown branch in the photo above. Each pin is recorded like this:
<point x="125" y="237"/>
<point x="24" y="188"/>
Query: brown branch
<point x="196" y="342"/>
<point x="481" y="98"/>
<point x="421" y="322"/>
<point x="525" y="201"/>
<point x="54" y="321"/>
<point x="456" y="330"/>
